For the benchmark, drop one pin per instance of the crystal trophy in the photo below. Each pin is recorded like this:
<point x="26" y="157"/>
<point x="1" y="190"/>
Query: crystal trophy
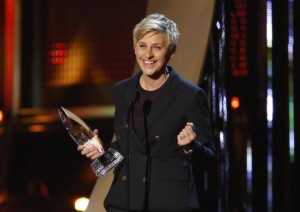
<point x="83" y="135"/>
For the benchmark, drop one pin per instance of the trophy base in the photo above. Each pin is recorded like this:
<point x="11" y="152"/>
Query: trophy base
<point x="107" y="161"/>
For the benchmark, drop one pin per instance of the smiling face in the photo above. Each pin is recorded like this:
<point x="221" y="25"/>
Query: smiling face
<point x="152" y="53"/>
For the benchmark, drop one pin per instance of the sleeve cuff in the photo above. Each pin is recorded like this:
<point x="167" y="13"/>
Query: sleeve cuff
<point x="188" y="149"/>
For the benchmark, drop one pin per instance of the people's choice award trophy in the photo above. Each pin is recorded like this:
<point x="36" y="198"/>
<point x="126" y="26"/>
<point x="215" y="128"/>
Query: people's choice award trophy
<point x="83" y="135"/>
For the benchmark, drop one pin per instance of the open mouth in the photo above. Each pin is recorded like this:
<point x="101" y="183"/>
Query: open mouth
<point x="148" y="61"/>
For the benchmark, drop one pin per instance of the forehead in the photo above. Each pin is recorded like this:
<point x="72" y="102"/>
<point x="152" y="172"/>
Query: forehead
<point x="154" y="36"/>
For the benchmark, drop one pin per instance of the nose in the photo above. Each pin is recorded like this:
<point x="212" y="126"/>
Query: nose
<point x="149" y="53"/>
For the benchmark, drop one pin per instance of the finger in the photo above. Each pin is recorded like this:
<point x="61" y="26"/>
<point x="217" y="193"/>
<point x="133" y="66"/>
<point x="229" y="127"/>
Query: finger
<point x="86" y="150"/>
<point x="182" y="140"/>
<point x="189" y="133"/>
<point x="96" y="132"/>
<point x="191" y="125"/>
<point x="80" y="147"/>
<point x="191" y="136"/>
<point x="96" y="156"/>
<point x="190" y="129"/>
<point x="181" y="136"/>
<point x="185" y="131"/>
<point x="83" y="152"/>
<point x="91" y="154"/>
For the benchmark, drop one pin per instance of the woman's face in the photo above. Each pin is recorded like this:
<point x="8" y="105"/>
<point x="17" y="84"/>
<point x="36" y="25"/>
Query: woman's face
<point x="152" y="53"/>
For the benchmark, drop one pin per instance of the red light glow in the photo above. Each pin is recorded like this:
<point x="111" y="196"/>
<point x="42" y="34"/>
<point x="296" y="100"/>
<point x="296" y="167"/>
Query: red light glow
<point x="235" y="102"/>
<point x="9" y="35"/>
<point x="57" y="54"/>
<point x="238" y="39"/>
<point x="1" y="116"/>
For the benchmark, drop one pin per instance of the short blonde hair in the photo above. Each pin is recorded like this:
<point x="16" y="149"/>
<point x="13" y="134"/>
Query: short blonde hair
<point x="160" y="23"/>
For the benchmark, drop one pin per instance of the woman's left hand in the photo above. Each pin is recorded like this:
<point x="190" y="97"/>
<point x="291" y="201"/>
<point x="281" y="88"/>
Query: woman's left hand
<point x="186" y="135"/>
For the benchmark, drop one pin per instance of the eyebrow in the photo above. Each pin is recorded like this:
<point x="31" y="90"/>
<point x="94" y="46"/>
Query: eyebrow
<point x="141" y="42"/>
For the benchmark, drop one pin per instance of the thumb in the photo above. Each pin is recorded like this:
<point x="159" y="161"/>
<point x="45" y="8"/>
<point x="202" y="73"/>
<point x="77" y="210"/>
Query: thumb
<point x="96" y="132"/>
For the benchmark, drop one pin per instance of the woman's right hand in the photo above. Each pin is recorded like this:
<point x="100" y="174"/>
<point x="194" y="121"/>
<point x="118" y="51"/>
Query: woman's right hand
<point x="92" y="150"/>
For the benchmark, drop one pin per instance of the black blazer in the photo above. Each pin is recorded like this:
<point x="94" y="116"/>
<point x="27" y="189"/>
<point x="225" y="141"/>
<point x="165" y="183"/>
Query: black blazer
<point x="162" y="174"/>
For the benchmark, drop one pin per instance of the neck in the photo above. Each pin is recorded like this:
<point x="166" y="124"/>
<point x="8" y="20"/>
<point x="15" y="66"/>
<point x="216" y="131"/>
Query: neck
<point x="151" y="84"/>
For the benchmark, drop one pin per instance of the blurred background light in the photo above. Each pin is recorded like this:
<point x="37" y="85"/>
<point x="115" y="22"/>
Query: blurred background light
<point x="81" y="203"/>
<point x="1" y="116"/>
<point x="235" y="102"/>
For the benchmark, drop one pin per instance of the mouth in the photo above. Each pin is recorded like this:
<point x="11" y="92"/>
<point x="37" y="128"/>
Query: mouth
<point x="148" y="61"/>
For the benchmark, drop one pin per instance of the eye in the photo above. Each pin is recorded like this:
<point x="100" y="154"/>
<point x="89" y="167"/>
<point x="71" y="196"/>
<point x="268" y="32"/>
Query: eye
<point x="142" y="46"/>
<point x="157" y="48"/>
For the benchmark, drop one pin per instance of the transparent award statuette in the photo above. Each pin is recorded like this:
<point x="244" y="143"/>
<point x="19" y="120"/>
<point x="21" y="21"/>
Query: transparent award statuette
<point x="83" y="135"/>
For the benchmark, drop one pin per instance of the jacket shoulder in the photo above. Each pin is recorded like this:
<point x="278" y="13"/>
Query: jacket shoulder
<point x="126" y="87"/>
<point x="188" y="86"/>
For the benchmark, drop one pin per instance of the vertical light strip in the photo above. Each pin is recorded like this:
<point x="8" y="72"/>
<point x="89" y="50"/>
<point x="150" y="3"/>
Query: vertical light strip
<point x="9" y="53"/>
<point x="16" y="57"/>
<point x="222" y="41"/>
<point x="291" y="80"/>
<point x="249" y="165"/>
<point x="269" y="105"/>
<point x="12" y="55"/>
<point x="223" y="114"/>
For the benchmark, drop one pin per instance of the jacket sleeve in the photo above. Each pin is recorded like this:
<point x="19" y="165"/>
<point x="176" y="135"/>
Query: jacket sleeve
<point x="202" y="149"/>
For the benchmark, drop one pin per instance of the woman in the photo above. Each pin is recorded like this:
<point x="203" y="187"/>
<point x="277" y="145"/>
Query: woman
<point x="166" y="121"/>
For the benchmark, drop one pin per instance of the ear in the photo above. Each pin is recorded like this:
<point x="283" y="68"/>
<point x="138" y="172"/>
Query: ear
<point x="172" y="55"/>
<point x="169" y="56"/>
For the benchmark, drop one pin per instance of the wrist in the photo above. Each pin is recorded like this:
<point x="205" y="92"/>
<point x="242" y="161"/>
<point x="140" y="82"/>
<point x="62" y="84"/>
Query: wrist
<point x="188" y="149"/>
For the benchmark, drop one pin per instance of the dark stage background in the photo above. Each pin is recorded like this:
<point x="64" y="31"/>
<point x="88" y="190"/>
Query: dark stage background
<point x="69" y="53"/>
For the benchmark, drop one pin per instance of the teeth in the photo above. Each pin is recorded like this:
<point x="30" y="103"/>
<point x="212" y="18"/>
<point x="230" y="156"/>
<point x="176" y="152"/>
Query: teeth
<point x="148" y="62"/>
